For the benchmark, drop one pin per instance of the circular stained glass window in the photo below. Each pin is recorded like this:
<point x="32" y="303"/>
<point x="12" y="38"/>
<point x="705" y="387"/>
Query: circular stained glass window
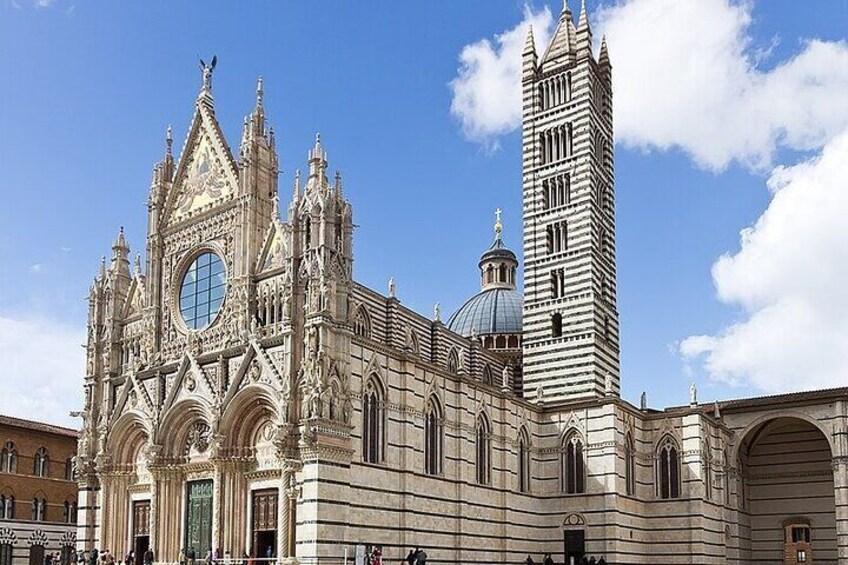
<point x="202" y="291"/>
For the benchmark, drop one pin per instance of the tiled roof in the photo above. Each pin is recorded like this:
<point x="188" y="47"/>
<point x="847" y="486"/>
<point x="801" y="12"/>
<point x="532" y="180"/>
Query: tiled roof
<point x="37" y="426"/>
<point x="769" y="400"/>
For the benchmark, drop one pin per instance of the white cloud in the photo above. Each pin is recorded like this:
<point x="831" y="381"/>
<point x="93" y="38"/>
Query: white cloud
<point x="43" y="3"/>
<point x="43" y="368"/>
<point x="789" y="279"/>
<point x="487" y="89"/>
<point x="36" y="268"/>
<point x="685" y="76"/>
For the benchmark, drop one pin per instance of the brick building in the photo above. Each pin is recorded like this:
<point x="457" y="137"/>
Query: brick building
<point x="38" y="495"/>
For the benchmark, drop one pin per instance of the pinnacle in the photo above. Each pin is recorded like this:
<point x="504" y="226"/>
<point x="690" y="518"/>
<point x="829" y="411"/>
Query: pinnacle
<point x="584" y="18"/>
<point x="259" y="92"/>
<point x="529" y="41"/>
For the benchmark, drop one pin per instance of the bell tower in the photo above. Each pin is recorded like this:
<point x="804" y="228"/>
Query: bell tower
<point x="571" y="347"/>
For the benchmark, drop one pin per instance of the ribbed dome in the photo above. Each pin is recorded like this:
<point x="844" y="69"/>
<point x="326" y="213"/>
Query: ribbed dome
<point x="494" y="311"/>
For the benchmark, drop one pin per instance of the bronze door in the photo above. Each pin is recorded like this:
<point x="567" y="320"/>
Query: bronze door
<point x="198" y="526"/>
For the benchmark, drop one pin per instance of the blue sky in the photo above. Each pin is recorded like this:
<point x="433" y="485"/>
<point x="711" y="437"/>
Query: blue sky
<point x="89" y="87"/>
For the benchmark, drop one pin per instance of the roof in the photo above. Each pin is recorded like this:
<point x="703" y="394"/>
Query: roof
<point x="37" y="426"/>
<point x="493" y="311"/>
<point x="768" y="400"/>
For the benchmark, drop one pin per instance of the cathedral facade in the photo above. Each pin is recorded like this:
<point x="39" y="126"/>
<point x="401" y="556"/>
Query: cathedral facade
<point x="244" y="394"/>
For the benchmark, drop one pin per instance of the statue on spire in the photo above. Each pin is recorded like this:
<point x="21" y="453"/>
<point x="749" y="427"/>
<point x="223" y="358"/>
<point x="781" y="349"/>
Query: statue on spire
<point x="206" y="71"/>
<point x="498" y="223"/>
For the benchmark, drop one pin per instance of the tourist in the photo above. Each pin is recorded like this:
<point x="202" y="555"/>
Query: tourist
<point x="148" y="557"/>
<point x="410" y="559"/>
<point x="130" y="558"/>
<point x="182" y="557"/>
<point x="421" y="557"/>
<point x="529" y="561"/>
<point x="191" y="556"/>
<point x="92" y="557"/>
<point x="548" y="560"/>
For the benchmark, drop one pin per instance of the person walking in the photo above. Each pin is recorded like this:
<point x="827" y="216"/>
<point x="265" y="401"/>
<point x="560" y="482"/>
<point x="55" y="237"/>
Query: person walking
<point x="148" y="557"/>
<point x="410" y="559"/>
<point x="548" y="560"/>
<point x="421" y="557"/>
<point x="529" y="561"/>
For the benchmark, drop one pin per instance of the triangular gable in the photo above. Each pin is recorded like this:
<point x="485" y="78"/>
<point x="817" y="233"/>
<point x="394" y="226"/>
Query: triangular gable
<point x="188" y="368"/>
<point x="142" y="398"/>
<point x="135" y="298"/>
<point x="274" y="248"/>
<point x="206" y="174"/>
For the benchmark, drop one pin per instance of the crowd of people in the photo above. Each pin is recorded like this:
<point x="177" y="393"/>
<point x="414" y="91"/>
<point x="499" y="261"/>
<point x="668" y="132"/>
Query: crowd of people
<point x="548" y="560"/>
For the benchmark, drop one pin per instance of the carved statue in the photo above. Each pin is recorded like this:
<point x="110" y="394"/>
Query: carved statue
<point x="206" y="71"/>
<point x="693" y="395"/>
<point x="505" y="377"/>
<point x="643" y="401"/>
<point x="392" y="287"/>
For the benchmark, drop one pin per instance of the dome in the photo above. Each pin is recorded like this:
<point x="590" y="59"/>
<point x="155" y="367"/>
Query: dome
<point x="493" y="311"/>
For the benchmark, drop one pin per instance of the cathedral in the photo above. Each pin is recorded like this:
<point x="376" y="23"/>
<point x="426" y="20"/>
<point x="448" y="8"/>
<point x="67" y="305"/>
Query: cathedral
<point x="245" y="395"/>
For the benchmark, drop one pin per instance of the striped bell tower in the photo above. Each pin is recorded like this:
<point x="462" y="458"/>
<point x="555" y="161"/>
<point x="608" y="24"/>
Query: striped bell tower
<point x="571" y="347"/>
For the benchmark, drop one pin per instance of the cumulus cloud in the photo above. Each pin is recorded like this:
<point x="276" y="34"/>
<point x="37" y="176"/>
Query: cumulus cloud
<point x="703" y="93"/>
<point x="487" y="88"/>
<point x="43" y="367"/>
<point x="789" y="279"/>
<point x="699" y="92"/>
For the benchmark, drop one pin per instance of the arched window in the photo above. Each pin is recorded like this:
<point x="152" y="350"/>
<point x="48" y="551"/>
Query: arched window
<point x="523" y="460"/>
<point x="668" y="469"/>
<point x="708" y="470"/>
<point x="41" y="463"/>
<point x="556" y="325"/>
<point x="39" y="509"/>
<point x="373" y="422"/>
<point x="362" y="323"/>
<point x="433" y="437"/>
<point x="453" y="361"/>
<point x="7" y="506"/>
<point x="483" y="441"/>
<point x="487" y="375"/>
<point x="9" y="458"/>
<point x="629" y="465"/>
<point x="69" y="469"/>
<point x="573" y="465"/>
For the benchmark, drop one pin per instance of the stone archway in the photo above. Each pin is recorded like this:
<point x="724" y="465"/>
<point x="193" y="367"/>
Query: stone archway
<point x="785" y="468"/>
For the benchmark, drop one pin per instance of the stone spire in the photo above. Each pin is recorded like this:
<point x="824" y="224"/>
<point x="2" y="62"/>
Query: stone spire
<point x="584" y="33"/>
<point x="317" y="161"/>
<point x="563" y="40"/>
<point x="120" y="255"/>
<point x="257" y="117"/>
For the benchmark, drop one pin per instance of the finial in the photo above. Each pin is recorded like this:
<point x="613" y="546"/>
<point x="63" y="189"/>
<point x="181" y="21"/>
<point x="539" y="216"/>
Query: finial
<point x="498" y="223"/>
<point x="272" y="139"/>
<point x="169" y="139"/>
<point x="317" y="140"/>
<point x="137" y="264"/>
<point x="297" y="184"/>
<point x="338" y="180"/>
<point x="529" y="41"/>
<point x="102" y="267"/>
<point x="565" y="8"/>
<point x="259" y="92"/>
<point x="583" y="21"/>
<point x="120" y="242"/>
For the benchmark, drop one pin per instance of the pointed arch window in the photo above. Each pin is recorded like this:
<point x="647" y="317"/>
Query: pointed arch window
<point x="453" y="361"/>
<point x="708" y="470"/>
<point x="433" y="437"/>
<point x="39" y="509"/>
<point x="487" y="375"/>
<point x="573" y="465"/>
<point x="373" y="422"/>
<point x="523" y="460"/>
<point x="41" y="463"/>
<point x="483" y="444"/>
<point x="629" y="465"/>
<point x="668" y="469"/>
<point x="7" y="506"/>
<point x="9" y="458"/>
<point x="362" y="322"/>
